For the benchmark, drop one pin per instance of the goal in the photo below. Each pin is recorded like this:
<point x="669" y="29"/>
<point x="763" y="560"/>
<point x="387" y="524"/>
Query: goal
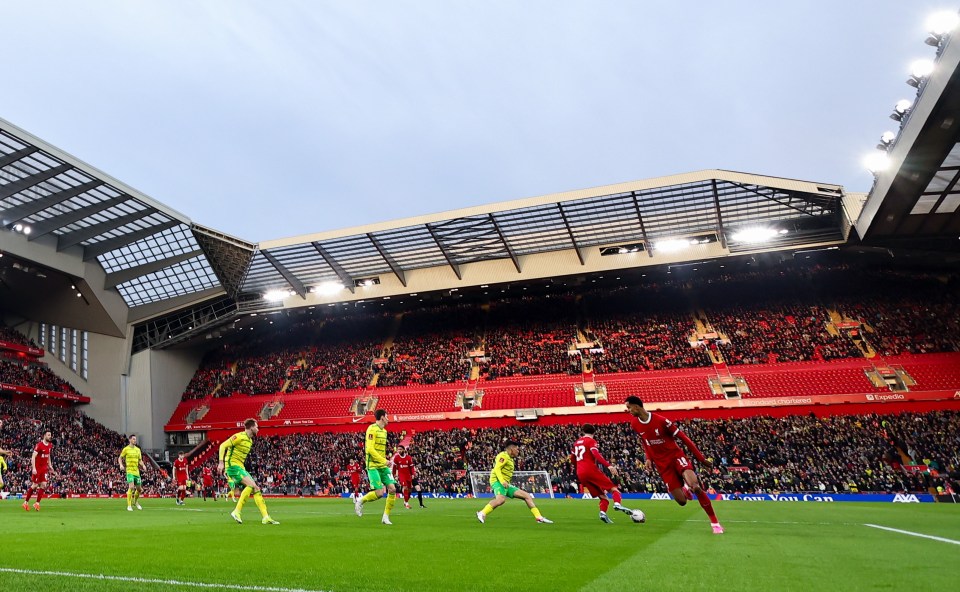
<point x="535" y="482"/>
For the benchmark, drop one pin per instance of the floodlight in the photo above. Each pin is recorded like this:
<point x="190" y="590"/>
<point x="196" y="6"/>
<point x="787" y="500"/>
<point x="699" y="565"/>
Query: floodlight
<point x="876" y="162"/>
<point x="275" y="295"/>
<point x="888" y="137"/>
<point x="328" y="288"/>
<point x="671" y="245"/>
<point x="27" y="230"/>
<point x="756" y="234"/>
<point x="922" y="68"/>
<point x="942" y="23"/>
<point x="18" y="227"/>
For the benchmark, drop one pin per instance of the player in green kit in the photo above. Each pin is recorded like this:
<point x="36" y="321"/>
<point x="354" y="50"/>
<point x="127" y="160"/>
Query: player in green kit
<point x="500" y="483"/>
<point x="131" y="461"/>
<point x="379" y="473"/>
<point x="233" y="453"/>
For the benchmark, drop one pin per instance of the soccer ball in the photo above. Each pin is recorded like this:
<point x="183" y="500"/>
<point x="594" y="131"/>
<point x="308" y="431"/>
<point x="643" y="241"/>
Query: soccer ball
<point x="638" y="516"/>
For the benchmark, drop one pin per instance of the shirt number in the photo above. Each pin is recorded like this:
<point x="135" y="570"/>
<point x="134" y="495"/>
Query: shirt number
<point x="579" y="451"/>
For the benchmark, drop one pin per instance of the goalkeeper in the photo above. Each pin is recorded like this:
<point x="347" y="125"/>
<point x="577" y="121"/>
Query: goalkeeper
<point x="500" y="477"/>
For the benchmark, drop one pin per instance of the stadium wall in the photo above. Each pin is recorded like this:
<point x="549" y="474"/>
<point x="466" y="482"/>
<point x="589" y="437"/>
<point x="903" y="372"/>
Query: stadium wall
<point x="154" y="385"/>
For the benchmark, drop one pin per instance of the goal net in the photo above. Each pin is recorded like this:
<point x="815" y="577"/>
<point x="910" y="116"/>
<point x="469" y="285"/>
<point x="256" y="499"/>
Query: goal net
<point x="535" y="482"/>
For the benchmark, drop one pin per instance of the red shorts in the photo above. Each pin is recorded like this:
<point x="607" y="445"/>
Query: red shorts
<point x="672" y="472"/>
<point x="181" y="481"/>
<point x="405" y="480"/>
<point x="355" y="479"/>
<point x="38" y="477"/>
<point x="595" y="482"/>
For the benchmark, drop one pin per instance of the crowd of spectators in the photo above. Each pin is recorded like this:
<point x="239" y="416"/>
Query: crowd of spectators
<point x="758" y="454"/>
<point x="11" y="335"/>
<point x="84" y="456"/>
<point x="782" y="332"/>
<point x="774" y="314"/>
<point x="33" y="374"/>
<point x="432" y="346"/>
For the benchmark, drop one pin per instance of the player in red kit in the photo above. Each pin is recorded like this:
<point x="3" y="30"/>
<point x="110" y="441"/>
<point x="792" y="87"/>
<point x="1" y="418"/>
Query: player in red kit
<point x="40" y="465"/>
<point x="586" y="456"/>
<point x="354" y="469"/>
<point x="403" y="472"/>
<point x="181" y="474"/>
<point x="659" y="436"/>
<point x="207" y="477"/>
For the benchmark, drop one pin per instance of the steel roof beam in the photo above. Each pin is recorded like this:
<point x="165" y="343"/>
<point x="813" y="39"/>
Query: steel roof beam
<point x="54" y="222"/>
<point x="8" y="159"/>
<point x="643" y="229"/>
<point x="573" y="239"/>
<point x="774" y="199"/>
<point x="111" y="244"/>
<point x="446" y="255"/>
<point x="397" y="270"/>
<point x="293" y="280"/>
<point x="125" y="275"/>
<point x="506" y="245"/>
<point x="69" y="239"/>
<point x="716" y="207"/>
<point x="28" y="182"/>
<point x="338" y="269"/>
<point x="35" y="206"/>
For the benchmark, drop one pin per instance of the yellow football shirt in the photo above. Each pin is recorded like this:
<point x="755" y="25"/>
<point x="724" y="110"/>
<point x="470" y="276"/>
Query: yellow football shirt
<point x="234" y="451"/>
<point x="502" y="469"/>
<point x="376" y="447"/>
<point x="132" y="455"/>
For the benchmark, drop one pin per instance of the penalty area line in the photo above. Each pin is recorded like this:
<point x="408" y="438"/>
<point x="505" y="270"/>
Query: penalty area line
<point x="915" y="534"/>
<point x="103" y="577"/>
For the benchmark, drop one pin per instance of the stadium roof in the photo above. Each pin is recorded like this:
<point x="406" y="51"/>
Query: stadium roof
<point x="915" y="203"/>
<point x="711" y="203"/>
<point x="149" y="251"/>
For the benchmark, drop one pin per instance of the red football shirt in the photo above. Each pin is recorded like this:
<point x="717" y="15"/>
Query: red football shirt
<point x="587" y="455"/>
<point x="43" y="451"/>
<point x="207" y="477"/>
<point x="180" y="469"/>
<point x="354" y="468"/>
<point x="659" y="438"/>
<point x="403" y="466"/>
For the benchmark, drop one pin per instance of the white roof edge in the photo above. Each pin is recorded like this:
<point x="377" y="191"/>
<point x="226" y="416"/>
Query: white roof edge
<point x="653" y="183"/>
<point x="91" y="170"/>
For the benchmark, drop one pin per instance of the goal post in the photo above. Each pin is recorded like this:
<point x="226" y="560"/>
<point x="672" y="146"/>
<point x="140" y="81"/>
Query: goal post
<point x="535" y="482"/>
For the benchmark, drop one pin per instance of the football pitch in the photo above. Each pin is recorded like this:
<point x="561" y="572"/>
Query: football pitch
<point x="320" y="545"/>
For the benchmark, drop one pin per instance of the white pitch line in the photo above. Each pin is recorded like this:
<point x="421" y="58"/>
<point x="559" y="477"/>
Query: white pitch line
<point x="102" y="577"/>
<point x="916" y="534"/>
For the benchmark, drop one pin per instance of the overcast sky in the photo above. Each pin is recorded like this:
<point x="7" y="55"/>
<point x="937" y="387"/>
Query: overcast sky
<point x="271" y="119"/>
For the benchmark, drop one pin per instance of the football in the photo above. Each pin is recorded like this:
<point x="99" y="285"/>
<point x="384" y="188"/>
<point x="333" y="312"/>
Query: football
<point x="638" y="516"/>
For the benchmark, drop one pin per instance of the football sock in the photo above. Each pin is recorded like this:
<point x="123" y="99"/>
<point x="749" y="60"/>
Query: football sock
<point x="261" y="505"/>
<point x="129" y="498"/>
<point x="370" y="497"/>
<point x="707" y="506"/>
<point x="536" y="513"/>
<point x="136" y="496"/>
<point x="406" y="494"/>
<point x="40" y="493"/>
<point x="604" y="504"/>
<point x="487" y="509"/>
<point x="420" y="498"/>
<point x="391" y="499"/>
<point x="29" y="493"/>
<point x="243" y="497"/>
<point x="617" y="498"/>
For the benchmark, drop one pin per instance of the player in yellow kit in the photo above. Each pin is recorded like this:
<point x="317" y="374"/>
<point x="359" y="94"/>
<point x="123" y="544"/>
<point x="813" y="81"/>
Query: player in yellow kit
<point x="500" y="483"/>
<point x="3" y="459"/>
<point x="378" y="471"/>
<point x="233" y="453"/>
<point x="131" y="461"/>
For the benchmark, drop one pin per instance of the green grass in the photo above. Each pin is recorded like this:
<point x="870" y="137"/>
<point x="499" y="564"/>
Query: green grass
<point x="321" y="545"/>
